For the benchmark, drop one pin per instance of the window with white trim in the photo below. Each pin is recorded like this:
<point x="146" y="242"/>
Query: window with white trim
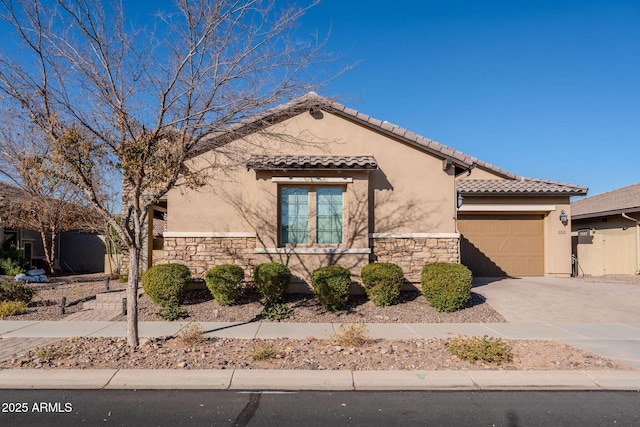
<point x="307" y="211"/>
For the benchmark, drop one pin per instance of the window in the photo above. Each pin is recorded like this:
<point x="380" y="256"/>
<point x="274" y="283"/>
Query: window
<point x="294" y="215"/>
<point x="297" y="206"/>
<point x="329" y="215"/>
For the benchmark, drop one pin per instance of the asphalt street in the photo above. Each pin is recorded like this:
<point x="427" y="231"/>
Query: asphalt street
<point x="322" y="409"/>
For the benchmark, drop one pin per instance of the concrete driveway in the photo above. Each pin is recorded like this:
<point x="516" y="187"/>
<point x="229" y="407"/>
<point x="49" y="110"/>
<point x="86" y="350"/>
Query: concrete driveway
<point x="571" y="300"/>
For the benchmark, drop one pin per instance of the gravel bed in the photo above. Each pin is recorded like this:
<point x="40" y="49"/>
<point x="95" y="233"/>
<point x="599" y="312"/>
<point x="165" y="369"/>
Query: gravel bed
<point x="412" y="307"/>
<point x="307" y="354"/>
<point x="77" y="289"/>
<point x="310" y="353"/>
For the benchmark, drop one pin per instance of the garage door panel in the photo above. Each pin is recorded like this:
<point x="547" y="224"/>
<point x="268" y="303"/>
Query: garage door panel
<point x="499" y="245"/>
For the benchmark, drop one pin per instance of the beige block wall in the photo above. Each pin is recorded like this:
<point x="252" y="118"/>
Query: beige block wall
<point x="610" y="248"/>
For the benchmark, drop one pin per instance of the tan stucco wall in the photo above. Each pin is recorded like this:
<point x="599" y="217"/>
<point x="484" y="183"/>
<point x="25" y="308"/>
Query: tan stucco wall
<point x="479" y="173"/>
<point x="610" y="248"/>
<point x="411" y="192"/>
<point x="557" y="236"/>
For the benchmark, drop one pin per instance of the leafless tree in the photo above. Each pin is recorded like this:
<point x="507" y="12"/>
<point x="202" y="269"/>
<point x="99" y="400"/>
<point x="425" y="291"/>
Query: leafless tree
<point x="33" y="199"/>
<point x="112" y="98"/>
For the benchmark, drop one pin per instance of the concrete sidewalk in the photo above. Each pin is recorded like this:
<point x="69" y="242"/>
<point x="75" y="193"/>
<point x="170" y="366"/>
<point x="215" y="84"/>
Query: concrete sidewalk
<point x="288" y="380"/>
<point x="620" y="341"/>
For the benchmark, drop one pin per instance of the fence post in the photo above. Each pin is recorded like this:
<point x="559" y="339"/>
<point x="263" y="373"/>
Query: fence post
<point x="63" y="303"/>
<point x="124" y="306"/>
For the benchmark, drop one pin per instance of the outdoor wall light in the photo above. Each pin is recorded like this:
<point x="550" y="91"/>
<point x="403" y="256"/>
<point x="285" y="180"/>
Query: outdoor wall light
<point x="564" y="219"/>
<point x="460" y="200"/>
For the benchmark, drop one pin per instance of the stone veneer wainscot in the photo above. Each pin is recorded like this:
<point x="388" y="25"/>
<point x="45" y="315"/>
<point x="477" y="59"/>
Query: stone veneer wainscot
<point x="201" y="252"/>
<point x="412" y="251"/>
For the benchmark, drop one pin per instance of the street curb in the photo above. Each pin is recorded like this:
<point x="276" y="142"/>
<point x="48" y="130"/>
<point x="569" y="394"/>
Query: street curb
<point x="291" y="380"/>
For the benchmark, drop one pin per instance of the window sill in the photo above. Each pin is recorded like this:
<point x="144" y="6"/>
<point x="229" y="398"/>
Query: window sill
<point x="312" y="251"/>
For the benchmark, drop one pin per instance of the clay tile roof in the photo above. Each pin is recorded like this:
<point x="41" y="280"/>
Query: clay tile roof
<point x="626" y="199"/>
<point x="313" y="101"/>
<point x="287" y="162"/>
<point x="520" y="186"/>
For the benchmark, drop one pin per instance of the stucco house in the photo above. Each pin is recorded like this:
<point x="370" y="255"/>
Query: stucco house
<point x="606" y="232"/>
<point x="313" y="182"/>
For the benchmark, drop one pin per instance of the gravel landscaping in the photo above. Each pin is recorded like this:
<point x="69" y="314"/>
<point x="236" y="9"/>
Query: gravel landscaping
<point x="310" y="353"/>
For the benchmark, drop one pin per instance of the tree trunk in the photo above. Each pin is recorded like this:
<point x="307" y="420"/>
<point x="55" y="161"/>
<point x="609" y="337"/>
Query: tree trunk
<point x="132" y="298"/>
<point x="49" y="245"/>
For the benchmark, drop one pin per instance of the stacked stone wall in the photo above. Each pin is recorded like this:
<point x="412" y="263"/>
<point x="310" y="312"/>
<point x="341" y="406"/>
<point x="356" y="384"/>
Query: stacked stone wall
<point x="411" y="254"/>
<point x="202" y="253"/>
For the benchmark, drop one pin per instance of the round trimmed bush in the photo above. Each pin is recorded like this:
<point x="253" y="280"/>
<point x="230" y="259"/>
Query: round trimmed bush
<point x="382" y="282"/>
<point x="16" y="291"/>
<point x="225" y="283"/>
<point x="166" y="284"/>
<point x="332" y="285"/>
<point x="272" y="280"/>
<point x="447" y="286"/>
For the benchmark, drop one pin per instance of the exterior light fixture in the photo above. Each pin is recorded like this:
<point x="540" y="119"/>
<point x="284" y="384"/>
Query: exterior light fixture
<point x="460" y="199"/>
<point x="564" y="219"/>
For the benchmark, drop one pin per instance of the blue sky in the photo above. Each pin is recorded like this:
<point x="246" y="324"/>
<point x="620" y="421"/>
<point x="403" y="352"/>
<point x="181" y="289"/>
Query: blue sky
<point x="545" y="89"/>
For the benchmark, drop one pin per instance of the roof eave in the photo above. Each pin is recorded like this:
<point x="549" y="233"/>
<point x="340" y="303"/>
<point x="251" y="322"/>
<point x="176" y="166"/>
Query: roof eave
<point x="599" y="214"/>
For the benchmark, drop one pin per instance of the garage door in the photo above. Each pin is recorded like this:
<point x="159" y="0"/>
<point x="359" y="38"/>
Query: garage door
<point x="502" y="245"/>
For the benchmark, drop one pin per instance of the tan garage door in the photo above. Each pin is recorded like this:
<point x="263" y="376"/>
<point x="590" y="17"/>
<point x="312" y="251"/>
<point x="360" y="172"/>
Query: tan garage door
<point x="502" y="245"/>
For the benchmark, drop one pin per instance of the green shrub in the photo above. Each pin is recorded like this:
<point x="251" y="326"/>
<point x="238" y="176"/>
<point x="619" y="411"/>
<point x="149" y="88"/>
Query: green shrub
<point x="12" y="308"/>
<point x="11" y="267"/>
<point x="16" y="291"/>
<point x="225" y="283"/>
<point x="485" y="349"/>
<point x="332" y="285"/>
<point x="172" y="312"/>
<point x="166" y="284"/>
<point x="272" y="280"/>
<point x="277" y="311"/>
<point x="446" y="286"/>
<point x="382" y="282"/>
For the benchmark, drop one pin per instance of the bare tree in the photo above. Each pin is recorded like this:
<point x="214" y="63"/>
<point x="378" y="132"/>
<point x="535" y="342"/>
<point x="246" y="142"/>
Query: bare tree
<point x="34" y="199"/>
<point x="112" y="98"/>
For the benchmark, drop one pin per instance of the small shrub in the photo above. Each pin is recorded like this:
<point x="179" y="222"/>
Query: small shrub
<point x="277" y="311"/>
<point x="172" y="312"/>
<point x="12" y="308"/>
<point x="11" y="267"/>
<point x="352" y="335"/>
<point x="192" y="335"/>
<point x="263" y="352"/>
<point x="332" y="285"/>
<point x="272" y="280"/>
<point x="382" y="282"/>
<point x="49" y="353"/>
<point x="16" y="291"/>
<point x="485" y="349"/>
<point x="123" y="278"/>
<point x="225" y="283"/>
<point x="166" y="284"/>
<point x="447" y="286"/>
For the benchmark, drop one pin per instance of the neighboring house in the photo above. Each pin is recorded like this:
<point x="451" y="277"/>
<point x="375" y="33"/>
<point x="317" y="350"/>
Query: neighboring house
<point x="77" y="252"/>
<point x="323" y="184"/>
<point x="606" y="232"/>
